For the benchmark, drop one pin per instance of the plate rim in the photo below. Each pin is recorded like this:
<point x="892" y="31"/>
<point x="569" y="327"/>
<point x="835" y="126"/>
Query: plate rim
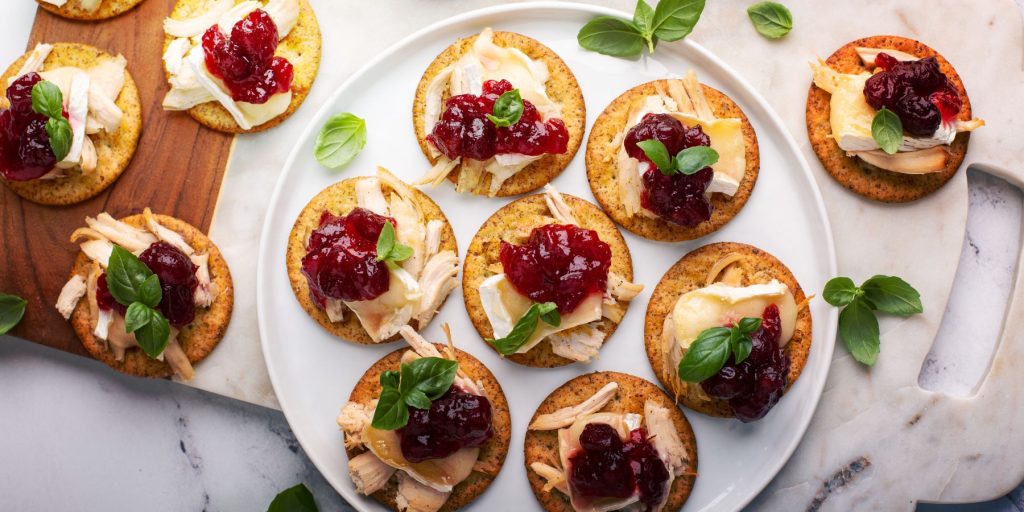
<point x="356" y="501"/>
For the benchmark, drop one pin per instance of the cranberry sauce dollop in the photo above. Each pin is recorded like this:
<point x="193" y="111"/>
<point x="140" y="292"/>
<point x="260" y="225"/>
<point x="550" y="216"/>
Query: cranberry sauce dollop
<point x="456" y="420"/>
<point x="917" y="91"/>
<point x="559" y="263"/>
<point x="25" y="152"/>
<point x="605" y="466"/>
<point x="754" y="386"/>
<point x="178" y="284"/>
<point x="246" y="61"/>
<point x="465" y="130"/>
<point x="341" y="257"/>
<point x="679" y="198"/>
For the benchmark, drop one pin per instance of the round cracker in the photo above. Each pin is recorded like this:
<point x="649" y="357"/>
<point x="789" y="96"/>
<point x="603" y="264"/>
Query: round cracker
<point x="492" y="453"/>
<point x="602" y="150"/>
<point x="197" y="339"/>
<point x="107" y="9"/>
<point x="561" y="87"/>
<point x="114" y="151"/>
<point x="853" y="173"/>
<point x="509" y="223"/>
<point x="689" y="274"/>
<point x="340" y="199"/>
<point x="301" y="48"/>
<point x="542" y="446"/>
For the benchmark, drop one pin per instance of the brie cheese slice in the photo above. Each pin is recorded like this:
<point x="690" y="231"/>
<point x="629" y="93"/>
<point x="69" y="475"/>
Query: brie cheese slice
<point x="720" y="304"/>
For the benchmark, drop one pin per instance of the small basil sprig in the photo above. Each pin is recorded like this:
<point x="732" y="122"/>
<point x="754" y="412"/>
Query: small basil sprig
<point x="671" y="20"/>
<point x="858" y="325"/>
<point x="547" y="311"/>
<point x="47" y="100"/>
<point x="12" y="308"/>
<point x="342" y="137"/>
<point x="508" y="109"/>
<point x="389" y="250"/>
<point x="294" y="499"/>
<point x="712" y="348"/>
<point x="133" y="284"/>
<point x="417" y="384"/>
<point x="687" y="161"/>
<point x="771" y="19"/>
<point x="887" y="130"/>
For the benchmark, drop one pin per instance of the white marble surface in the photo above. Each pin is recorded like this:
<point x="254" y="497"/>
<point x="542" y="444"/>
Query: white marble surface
<point x="77" y="436"/>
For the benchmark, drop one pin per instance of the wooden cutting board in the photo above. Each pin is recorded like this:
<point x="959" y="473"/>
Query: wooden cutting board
<point x="177" y="170"/>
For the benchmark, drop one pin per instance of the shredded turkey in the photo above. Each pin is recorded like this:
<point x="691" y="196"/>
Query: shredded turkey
<point x="369" y="474"/>
<point x="131" y="238"/>
<point x="206" y="291"/>
<point x="175" y="356"/>
<point x="415" y="497"/>
<point x="166" y="235"/>
<point x="98" y="250"/>
<point x="621" y="289"/>
<point x="471" y="175"/>
<point x="34" y="62"/>
<point x="580" y="344"/>
<point x="695" y="92"/>
<point x="72" y="291"/>
<point x="441" y="169"/>
<point x="354" y="417"/>
<point x="370" y="196"/>
<point x="423" y="348"/>
<point x="335" y="310"/>
<point x="666" y="438"/>
<point x="437" y="281"/>
<point x="555" y="478"/>
<point x="568" y="415"/>
<point x="557" y="206"/>
<point x="433" y="239"/>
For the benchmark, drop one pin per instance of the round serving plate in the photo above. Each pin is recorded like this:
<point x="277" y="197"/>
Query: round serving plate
<point x="313" y="372"/>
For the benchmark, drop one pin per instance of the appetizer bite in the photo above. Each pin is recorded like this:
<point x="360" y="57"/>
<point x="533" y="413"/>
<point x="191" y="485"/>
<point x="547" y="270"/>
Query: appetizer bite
<point x="728" y="330"/>
<point x="88" y="10"/>
<point x="369" y="255"/>
<point x="425" y="428"/>
<point x="240" y="66"/>
<point x="158" y="294"/>
<point x="610" y="441"/>
<point x="889" y="118"/>
<point x="547" y="280"/>
<point x="498" y="114"/>
<point x="69" y="125"/>
<point x="672" y="159"/>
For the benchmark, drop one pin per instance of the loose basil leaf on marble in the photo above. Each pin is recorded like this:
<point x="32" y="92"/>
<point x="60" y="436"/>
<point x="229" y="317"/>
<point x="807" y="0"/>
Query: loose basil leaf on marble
<point x="656" y="152"/>
<point x="771" y="19"/>
<point x="152" y="335"/>
<point x="416" y="385"/>
<point x="840" y="291"/>
<point x="58" y="130"/>
<point x="508" y="109"/>
<point x="858" y="330"/>
<point x="612" y="36"/>
<point x="858" y="325"/>
<point x="128" y="279"/>
<point x="887" y="130"/>
<point x="693" y="159"/>
<point x="342" y="137"/>
<point x="294" y="499"/>
<point x="389" y="250"/>
<point x="517" y="337"/>
<point x="675" y="19"/>
<point x="47" y="100"/>
<point x="12" y="309"/>
<point x="892" y="295"/>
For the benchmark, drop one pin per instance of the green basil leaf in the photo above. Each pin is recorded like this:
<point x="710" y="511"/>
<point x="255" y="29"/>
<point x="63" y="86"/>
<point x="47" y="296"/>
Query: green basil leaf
<point x="840" y="291"/>
<point x="549" y="314"/>
<point x="523" y="329"/>
<point x="342" y="137"/>
<point x="417" y="399"/>
<point x="153" y="335"/>
<point x="608" y="35"/>
<point x="887" y="130"/>
<point x="431" y="376"/>
<point x="389" y="378"/>
<point x="391" y="412"/>
<point x="675" y="19"/>
<point x="748" y="325"/>
<point x="137" y="316"/>
<point x="771" y="19"/>
<point x="858" y="329"/>
<point x="150" y="292"/>
<point x="385" y="241"/>
<point x="742" y="347"/>
<point x="47" y="100"/>
<point x="508" y="109"/>
<point x="695" y="158"/>
<point x="656" y="152"/>
<point x="126" y="275"/>
<point x="59" y="132"/>
<point x="294" y="499"/>
<point x="706" y="355"/>
<point x="12" y="309"/>
<point x="892" y="295"/>
<point x="643" y="18"/>
<point x="400" y="252"/>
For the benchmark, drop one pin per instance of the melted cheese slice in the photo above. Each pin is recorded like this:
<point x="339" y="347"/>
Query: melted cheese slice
<point x="383" y="316"/>
<point x="504" y="306"/>
<point x="439" y="474"/>
<point x="720" y="304"/>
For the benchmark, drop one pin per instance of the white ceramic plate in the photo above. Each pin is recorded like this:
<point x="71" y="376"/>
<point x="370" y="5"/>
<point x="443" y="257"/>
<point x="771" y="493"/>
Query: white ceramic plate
<point x="313" y="373"/>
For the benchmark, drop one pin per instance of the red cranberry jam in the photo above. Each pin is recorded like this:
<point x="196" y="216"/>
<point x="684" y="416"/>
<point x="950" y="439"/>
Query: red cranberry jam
<point x="465" y="130"/>
<point x="607" y="467"/>
<point x="456" y="420"/>
<point x="246" y="61"/>
<point x="25" y="152"/>
<point x="754" y="386"/>
<point x="341" y="257"/>
<point x="178" y="284"/>
<point x="559" y="263"/>
<point x="916" y="91"/>
<point x="678" y="198"/>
